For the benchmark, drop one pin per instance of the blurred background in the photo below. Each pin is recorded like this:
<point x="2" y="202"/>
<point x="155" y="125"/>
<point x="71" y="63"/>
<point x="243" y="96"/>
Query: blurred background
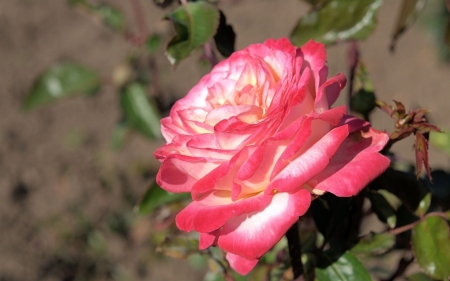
<point x="67" y="197"/>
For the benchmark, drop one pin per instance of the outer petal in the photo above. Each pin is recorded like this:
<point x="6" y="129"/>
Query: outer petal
<point x="329" y="91"/>
<point x="221" y="177"/>
<point x="355" y="164"/>
<point x="208" y="239"/>
<point x="303" y="133"/>
<point x="241" y="265"/>
<point x="212" y="211"/>
<point x="309" y="164"/>
<point x="334" y="116"/>
<point x="315" y="55"/>
<point x="172" y="179"/>
<point x="179" y="173"/>
<point x="282" y="44"/>
<point x="252" y="234"/>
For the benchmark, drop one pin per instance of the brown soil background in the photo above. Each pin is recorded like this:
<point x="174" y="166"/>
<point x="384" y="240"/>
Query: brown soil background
<point x="61" y="184"/>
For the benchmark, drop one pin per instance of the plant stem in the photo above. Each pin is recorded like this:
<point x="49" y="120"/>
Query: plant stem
<point x="140" y="21"/>
<point x="295" y="251"/>
<point x="209" y="53"/>
<point x="410" y="226"/>
<point x="353" y="58"/>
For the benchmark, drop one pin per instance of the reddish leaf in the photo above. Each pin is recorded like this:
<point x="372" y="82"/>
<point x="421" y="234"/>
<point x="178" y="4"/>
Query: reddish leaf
<point x="385" y="107"/>
<point x="401" y="133"/>
<point x="420" y="115"/>
<point x="426" y="127"/>
<point x="421" y="148"/>
<point x="400" y="111"/>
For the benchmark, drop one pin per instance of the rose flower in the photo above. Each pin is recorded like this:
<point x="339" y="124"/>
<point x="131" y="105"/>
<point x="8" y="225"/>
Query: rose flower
<point x="254" y="139"/>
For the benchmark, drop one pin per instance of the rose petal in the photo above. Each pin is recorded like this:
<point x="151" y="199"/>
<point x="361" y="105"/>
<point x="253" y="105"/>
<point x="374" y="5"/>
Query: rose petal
<point x="241" y="265"/>
<point x="334" y="116"/>
<point x="172" y="179"/>
<point x="251" y="234"/>
<point x="355" y="164"/>
<point x="213" y="210"/>
<point x="303" y="133"/>
<point x="309" y="164"/>
<point x="315" y="56"/>
<point x="208" y="239"/>
<point x="225" y="112"/>
<point x="329" y="92"/>
<point x="220" y="178"/>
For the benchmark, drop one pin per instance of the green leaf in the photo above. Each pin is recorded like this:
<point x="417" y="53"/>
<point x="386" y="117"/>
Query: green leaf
<point x="431" y="245"/>
<point x="111" y="16"/>
<point x="423" y="205"/>
<point x="140" y="112"/>
<point x="391" y="198"/>
<point x="384" y="211"/>
<point x="195" y="24"/>
<point x="156" y="197"/>
<point x="419" y="277"/>
<point x="62" y="80"/>
<point x="441" y="140"/>
<point x="374" y="244"/>
<point x="337" y="20"/>
<point x="225" y="37"/>
<point x="341" y="268"/>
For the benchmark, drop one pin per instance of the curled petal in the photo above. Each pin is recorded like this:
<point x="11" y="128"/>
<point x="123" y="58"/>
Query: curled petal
<point x="251" y="234"/>
<point x="173" y="179"/>
<point x="241" y="265"/>
<point x="315" y="56"/>
<point x="213" y="210"/>
<point x="208" y="239"/>
<point x="355" y="164"/>
<point x="222" y="177"/>
<point x="334" y="116"/>
<point x="329" y="92"/>
<point x="310" y="163"/>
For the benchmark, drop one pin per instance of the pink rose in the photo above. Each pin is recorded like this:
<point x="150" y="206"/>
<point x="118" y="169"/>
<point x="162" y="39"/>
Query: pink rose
<point x="254" y="139"/>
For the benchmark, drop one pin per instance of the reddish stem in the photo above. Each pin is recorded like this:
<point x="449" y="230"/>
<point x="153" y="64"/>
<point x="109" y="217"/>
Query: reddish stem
<point x="413" y="224"/>
<point x="353" y="58"/>
<point x="140" y="20"/>
<point x="209" y="53"/>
